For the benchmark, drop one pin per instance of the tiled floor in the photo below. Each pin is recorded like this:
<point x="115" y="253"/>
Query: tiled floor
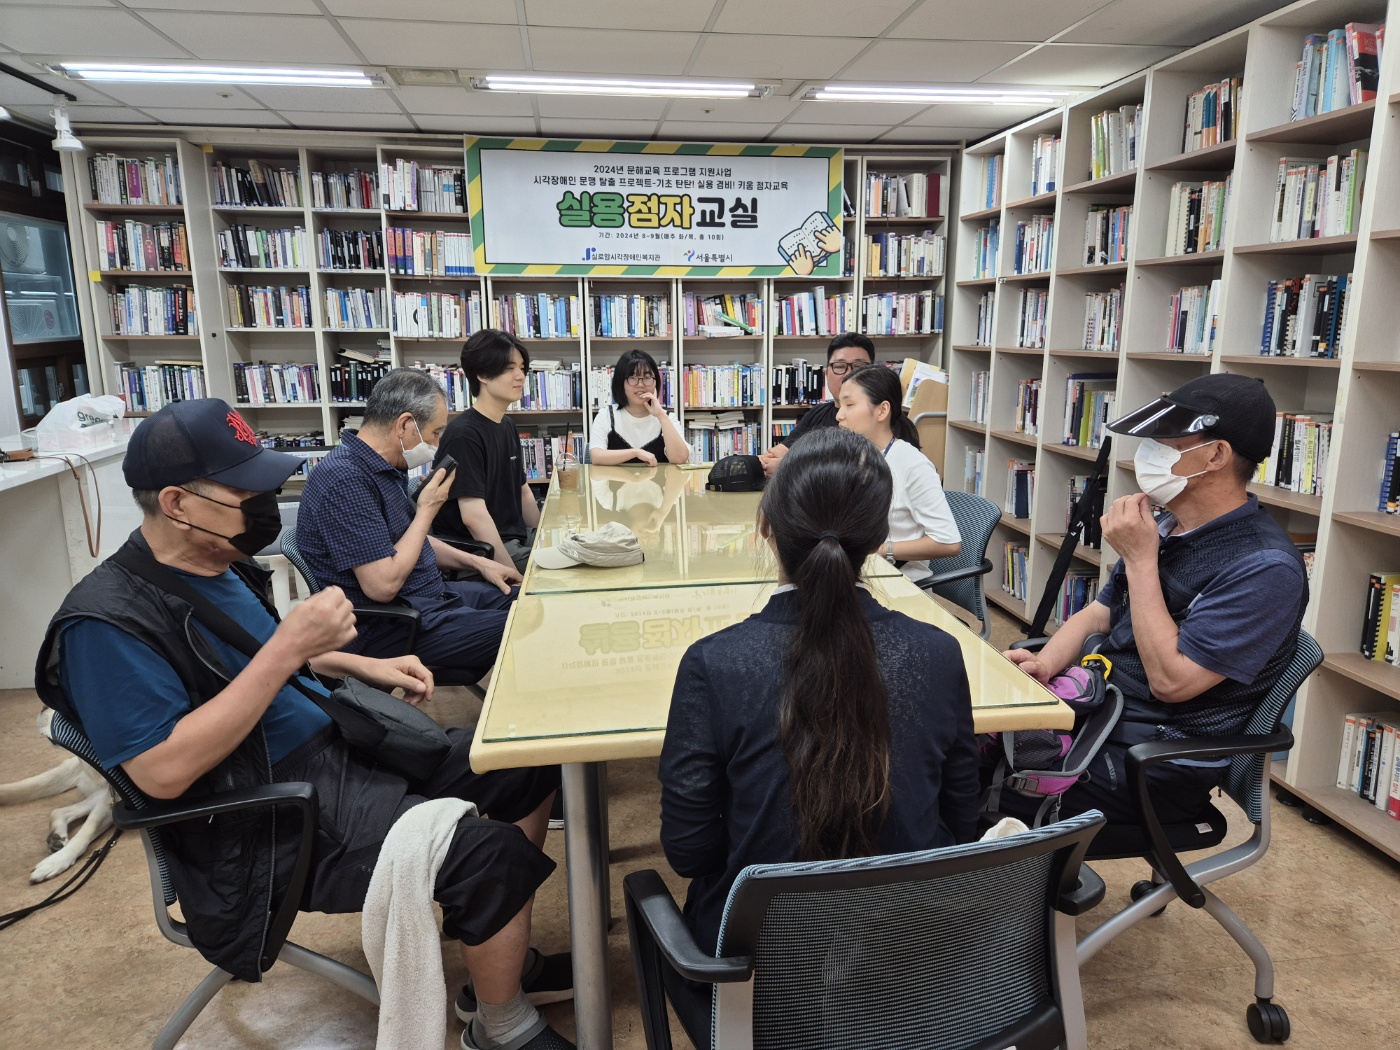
<point x="94" y="971"/>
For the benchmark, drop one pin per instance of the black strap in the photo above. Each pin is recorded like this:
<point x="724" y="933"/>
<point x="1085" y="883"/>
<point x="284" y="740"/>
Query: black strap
<point x="1087" y="507"/>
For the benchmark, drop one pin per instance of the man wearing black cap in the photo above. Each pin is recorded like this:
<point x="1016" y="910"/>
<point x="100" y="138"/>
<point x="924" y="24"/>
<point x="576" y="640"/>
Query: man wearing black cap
<point x="185" y="714"/>
<point x="1203" y="608"/>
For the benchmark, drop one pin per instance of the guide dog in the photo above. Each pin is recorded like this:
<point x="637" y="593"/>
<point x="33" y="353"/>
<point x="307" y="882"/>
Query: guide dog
<point x="94" y="809"/>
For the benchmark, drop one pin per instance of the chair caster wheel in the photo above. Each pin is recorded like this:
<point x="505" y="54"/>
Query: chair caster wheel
<point x="1141" y="889"/>
<point x="1268" y="1022"/>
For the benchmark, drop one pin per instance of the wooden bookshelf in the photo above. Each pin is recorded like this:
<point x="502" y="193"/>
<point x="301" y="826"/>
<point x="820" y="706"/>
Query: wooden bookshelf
<point x="1054" y="541"/>
<point x="1194" y="259"/>
<point x="1220" y="157"/>
<point x="1329" y="129"/>
<point x="1118" y="182"/>
<point x="1104" y="269"/>
<point x="1040" y="200"/>
<point x="1267" y="359"/>
<point x="1345" y="242"/>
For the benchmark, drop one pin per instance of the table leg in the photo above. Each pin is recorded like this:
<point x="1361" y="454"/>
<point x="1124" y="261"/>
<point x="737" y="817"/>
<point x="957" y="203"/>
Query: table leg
<point x="586" y="856"/>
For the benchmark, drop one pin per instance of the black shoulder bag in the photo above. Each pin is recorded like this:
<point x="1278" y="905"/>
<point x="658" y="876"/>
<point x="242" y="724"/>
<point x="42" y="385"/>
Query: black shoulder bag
<point x="1088" y="508"/>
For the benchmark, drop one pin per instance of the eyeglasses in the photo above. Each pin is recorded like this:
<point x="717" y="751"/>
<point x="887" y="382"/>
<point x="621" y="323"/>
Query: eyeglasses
<point x="641" y="380"/>
<point x="840" y="368"/>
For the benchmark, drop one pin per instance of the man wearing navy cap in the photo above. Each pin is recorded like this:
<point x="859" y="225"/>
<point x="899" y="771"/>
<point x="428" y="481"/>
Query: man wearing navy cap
<point x="1203" y="607"/>
<point x="185" y="714"/>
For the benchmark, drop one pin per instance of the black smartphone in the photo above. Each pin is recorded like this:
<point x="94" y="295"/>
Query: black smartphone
<point x="447" y="463"/>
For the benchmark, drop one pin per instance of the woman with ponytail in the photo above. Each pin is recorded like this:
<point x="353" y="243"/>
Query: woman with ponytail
<point x="824" y="726"/>
<point x="921" y="525"/>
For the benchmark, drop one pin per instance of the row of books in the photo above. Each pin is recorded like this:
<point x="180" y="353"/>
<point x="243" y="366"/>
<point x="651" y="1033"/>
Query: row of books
<point x="453" y="382"/>
<point x="275" y="384"/>
<point x="1196" y="216"/>
<point x="405" y="185"/>
<point x="350" y="249"/>
<point x="1115" y="141"/>
<point x="356" y="308"/>
<point x="1213" y="114"/>
<point x="1314" y="198"/>
<point x="1193" y="318"/>
<point x="1103" y="320"/>
<point x="539" y="451"/>
<point x="1367" y="764"/>
<point x="711" y="443"/>
<point x="309" y="447"/>
<point x="902" y="313"/>
<point x="1089" y="400"/>
<point x="344" y="189"/>
<point x="147" y="388"/>
<point x="992" y="168"/>
<point x="798" y="383"/>
<point x="1078" y="591"/>
<point x="259" y="185"/>
<point x="986" y="305"/>
<point x="268" y="307"/>
<point x="243" y="247"/>
<point x="1032" y="316"/>
<point x="975" y="471"/>
<point x="600" y="386"/>
<point x="1380" y="627"/>
<point x="1020" y="488"/>
<point x="1338" y="70"/>
<point x="437" y="315"/>
<point x="1035" y="244"/>
<point x="984" y="250"/>
<point x="1304" y="316"/>
<point x="815" y="313"/>
<point x="350" y="381"/>
<point x="148" y="310"/>
<point x="132" y="180"/>
<point x="723" y="386"/>
<point x="142" y="247"/>
<point x="430" y="253"/>
<point x="1388" y="502"/>
<point x="1015" y="556"/>
<point x="905" y="255"/>
<point x="1026" y="419"/>
<point x="630" y="316"/>
<point x="1298" y="455"/>
<point x="917" y="195"/>
<point x="1045" y="164"/>
<point x="978" y="392"/>
<point x="552" y="389"/>
<point x="1106" y="234"/>
<point x="743" y="311"/>
<point x="538" y="315"/>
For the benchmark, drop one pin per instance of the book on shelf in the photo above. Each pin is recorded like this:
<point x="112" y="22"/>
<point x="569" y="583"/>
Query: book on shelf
<point x="600" y="386"/>
<point x="132" y="180"/>
<point x="555" y="389"/>
<point x="902" y="313"/>
<point x="1035" y="244"/>
<point x="1212" y="114"/>
<point x="1045" y="164"/>
<point x="1388" y="501"/>
<point x="1027" y="416"/>
<point x="354" y="380"/>
<point x="991" y="180"/>
<point x="437" y="315"/>
<point x="539" y="315"/>
<point x="984" y="254"/>
<point x="1366" y="764"/>
<point x="1089" y="399"/>
<point x="986" y="306"/>
<point x="1103" y="320"/>
<point x="345" y="189"/>
<point x="142" y="247"/>
<point x="1196" y="216"/>
<point x="1015" y="555"/>
<point x="1092" y="534"/>
<point x="381" y="353"/>
<point x="1080" y="587"/>
<point x="917" y="195"/>
<point x="1193" y="318"/>
<point x="1114" y="141"/>
<point x="275" y="384"/>
<point x="975" y="471"/>
<point x="147" y="388"/>
<point x="798" y="383"/>
<point x="1020" y="488"/>
<point x="723" y="386"/>
<point x="1299" y="453"/>
<point x="1032" y="317"/>
<point x="1106" y="234"/>
<point x="718" y="309"/>
<point x="905" y="254"/>
<point x="348" y="309"/>
<point x="259" y="185"/>
<point x="711" y="439"/>
<point x="1318" y="198"/>
<point x="814" y="313"/>
<point x="979" y="390"/>
<point x="243" y="247"/>
<point x="405" y="185"/>
<point x="541" y="449"/>
<point x="1305" y="316"/>
<point x="453" y="382"/>
<point x="150" y="310"/>
<point x="1337" y="69"/>
<point x="430" y="253"/>
<point x="350" y="249"/>
<point x="1376" y="641"/>
<point x="630" y="316"/>
<point x="268" y="307"/>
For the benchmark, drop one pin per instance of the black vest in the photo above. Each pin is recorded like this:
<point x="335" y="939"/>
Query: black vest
<point x="1186" y="566"/>
<point x="656" y="446"/>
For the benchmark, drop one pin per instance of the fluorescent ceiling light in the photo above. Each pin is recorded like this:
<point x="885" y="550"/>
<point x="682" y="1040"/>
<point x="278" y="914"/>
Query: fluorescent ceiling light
<point x="550" y="85"/>
<point x="148" y="73"/>
<point x="972" y="96"/>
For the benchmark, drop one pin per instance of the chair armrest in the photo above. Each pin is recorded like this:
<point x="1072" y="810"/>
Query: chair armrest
<point x="953" y="575"/>
<point x="404" y="616"/>
<point x="1087" y="893"/>
<point x="1142" y="757"/>
<point x="1032" y="644"/>
<point x="477" y="547"/>
<point x="663" y="919"/>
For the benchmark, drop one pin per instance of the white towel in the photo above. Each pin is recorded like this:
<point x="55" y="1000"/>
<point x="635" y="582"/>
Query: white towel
<point x="399" y="928"/>
<point x="1002" y="828"/>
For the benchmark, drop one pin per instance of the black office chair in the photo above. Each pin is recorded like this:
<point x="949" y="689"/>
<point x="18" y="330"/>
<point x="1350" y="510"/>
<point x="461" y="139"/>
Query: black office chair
<point x="969" y="947"/>
<point x="403" y="616"/>
<point x="135" y="812"/>
<point x="959" y="578"/>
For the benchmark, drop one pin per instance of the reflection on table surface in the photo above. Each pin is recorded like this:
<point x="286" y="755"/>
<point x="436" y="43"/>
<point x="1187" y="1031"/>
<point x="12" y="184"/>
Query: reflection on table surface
<point x="603" y="663"/>
<point x="690" y="537"/>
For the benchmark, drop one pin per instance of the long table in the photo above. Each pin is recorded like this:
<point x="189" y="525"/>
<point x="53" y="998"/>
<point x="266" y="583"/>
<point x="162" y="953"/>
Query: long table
<point x="590" y="655"/>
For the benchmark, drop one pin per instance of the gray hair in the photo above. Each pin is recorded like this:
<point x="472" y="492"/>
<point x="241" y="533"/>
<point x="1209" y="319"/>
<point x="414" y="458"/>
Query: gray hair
<point x="149" y="499"/>
<point x="403" y="390"/>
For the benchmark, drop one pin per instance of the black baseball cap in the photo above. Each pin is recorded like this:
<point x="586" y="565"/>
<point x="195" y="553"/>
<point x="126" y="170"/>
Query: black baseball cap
<point x="736" y="474"/>
<point x="204" y="438"/>
<point x="1235" y="408"/>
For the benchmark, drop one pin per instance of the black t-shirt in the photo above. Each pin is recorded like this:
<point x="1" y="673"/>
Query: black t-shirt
<point x="488" y="468"/>
<point x="816" y="417"/>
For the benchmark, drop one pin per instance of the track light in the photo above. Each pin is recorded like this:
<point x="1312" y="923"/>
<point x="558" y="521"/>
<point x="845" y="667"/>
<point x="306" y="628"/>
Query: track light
<point x="65" y="140"/>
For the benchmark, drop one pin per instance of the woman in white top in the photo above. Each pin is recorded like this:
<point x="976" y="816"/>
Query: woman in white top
<point x="921" y="524"/>
<point x="634" y="428"/>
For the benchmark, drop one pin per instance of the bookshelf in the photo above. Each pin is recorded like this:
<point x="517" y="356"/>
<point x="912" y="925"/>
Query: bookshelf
<point x="1359" y="387"/>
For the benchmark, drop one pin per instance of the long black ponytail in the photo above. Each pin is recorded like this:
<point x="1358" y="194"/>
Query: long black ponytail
<point x="827" y="509"/>
<point x="882" y="384"/>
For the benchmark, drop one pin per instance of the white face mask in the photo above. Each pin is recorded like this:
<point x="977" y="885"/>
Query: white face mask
<point x="1153" y="466"/>
<point x="421" y="454"/>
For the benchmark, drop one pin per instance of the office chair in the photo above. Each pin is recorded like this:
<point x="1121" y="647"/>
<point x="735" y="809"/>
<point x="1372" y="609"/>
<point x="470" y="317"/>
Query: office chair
<point x="135" y="812"/>
<point x="405" y="616"/>
<point x="968" y="947"/>
<point x="959" y="578"/>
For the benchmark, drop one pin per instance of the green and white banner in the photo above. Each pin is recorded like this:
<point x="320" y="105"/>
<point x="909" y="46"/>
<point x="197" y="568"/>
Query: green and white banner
<point x="655" y="209"/>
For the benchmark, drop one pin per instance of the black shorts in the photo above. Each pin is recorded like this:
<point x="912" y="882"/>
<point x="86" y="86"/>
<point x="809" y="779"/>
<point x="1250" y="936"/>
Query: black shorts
<point x="491" y="869"/>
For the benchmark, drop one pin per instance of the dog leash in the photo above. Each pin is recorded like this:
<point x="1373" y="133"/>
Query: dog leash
<point x="80" y="877"/>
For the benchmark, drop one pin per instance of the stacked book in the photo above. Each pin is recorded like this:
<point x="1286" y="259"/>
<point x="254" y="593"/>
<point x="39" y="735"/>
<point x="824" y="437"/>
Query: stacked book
<point x="1032" y="315"/>
<point x="905" y="255"/>
<point x="350" y="250"/>
<point x="991" y="180"/>
<point x="600" y="386"/>
<point x="1380" y="628"/>
<point x="552" y="389"/>
<point x="902" y="313"/>
<point x="1213" y="114"/>
<point x="1027" y="417"/>
<point x="436" y="315"/>
<point x="405" y="186"/>
<point x="243" y="247"/>
<point x="539" y="451"/>
<point x="1367" y="766"/>
<point x="269" y="307"/>
<point x="1114" y="141"/>
<point x="743" y="312"/>
<point x="142" y="247"/>
<point x="1088" y="408"/>
<point x="146" y="310"/>
<point x="1389" y="500"/>
<point x="1035" y="244"/>
<point x="1106" y="234"/>
<point x="912" y="196"/>
<point x="127" y="180"/>
<point x="816" y="313"/>
<point x="713" y="436"/>
<point x="349" y="309"/>
<point x="275" y="384"/>
<point x="1196" y="216"/>
<point x="146" y="388"/>
<point x="1314" y="198"/>
<point x="1045" y="163"/>
<point x="258" y="185"/>
<point x="723" y="386"/>
<point x="1298" y="456"/>
<point x="1080" y="587"/>
<point x="1338" y="70"/>
<point x="430" y="253"/>
<point x="986" y="306"/>
<point x="344" y="190"/>
<point x="453" y="382"/>
<point x="1020" y="488"/>
<point x="1013" y="581"/>
<point x="539" y="315"/>
<point x="798" y="383"/>
<point x="352" y="380"/>
<point x="984" y="251"/>
<point x="1304" y="316"/>
<point x="1193" y="318"/>
<point x="979" y="387"/>
<point x="975" y="471"/>
<point x="630" y="316"/>
<point x="1103" y="320"/>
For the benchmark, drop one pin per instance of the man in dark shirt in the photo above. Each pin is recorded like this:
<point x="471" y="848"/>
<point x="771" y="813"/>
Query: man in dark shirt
<point x="490" y="501"/>
<point x="359" y="529"/>
<point x="846" y="352"/>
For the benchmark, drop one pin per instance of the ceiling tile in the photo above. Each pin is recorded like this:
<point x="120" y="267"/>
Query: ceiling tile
<point x="352" y="121"/>
<point x="702" y="131"/>
<point x="976" y="116"/>
<point x="936" y="136"/>
<point x="609" y="51"/>
<point x="1091" y="65"/>
<point x="81" y="31"/>
<point x="460" y="101"/>
<point x="64" y="3"/>
<point x="242" y="118"/>
<point x="247" y="7"/>
<point x="770" y="57"/>
<point x="1183" y="22"/>
<point x="885" y="113"/>
<point x="994" y="19"/>
<point x="101" y="115"/>
<point x="930" y="62"/>
<point x="772" y="110"/>
<point x="183" y="96"/>
<point x="598" y="129"/>
<point x="17" y="92"/>
<point x="867" y="19"/>
<point x="601" y="106"/>
<point x="469" y="125"/>
<point x="326" y="99"/>
<point x="489" y="12"/>
<point x="826" y="134"/>
<point x="392" y="43"/>
<point x="674" y="15"/>
<point x="268" y="38"/>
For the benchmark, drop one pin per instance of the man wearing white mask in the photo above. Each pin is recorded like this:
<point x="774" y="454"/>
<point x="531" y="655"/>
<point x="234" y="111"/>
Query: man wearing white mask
<point x="359" y="529"/>
<point x="1203" y="607"/>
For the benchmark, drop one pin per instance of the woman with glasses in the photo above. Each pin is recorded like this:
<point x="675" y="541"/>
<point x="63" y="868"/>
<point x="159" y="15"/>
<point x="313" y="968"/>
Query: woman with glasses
<point x="635" y="428"/>
<point x="847" y="351"/>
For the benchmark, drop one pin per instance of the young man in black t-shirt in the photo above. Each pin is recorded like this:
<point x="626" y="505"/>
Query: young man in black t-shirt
<point x="490" y="500"/>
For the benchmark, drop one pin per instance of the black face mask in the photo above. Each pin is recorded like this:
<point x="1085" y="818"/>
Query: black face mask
<point x="262" y="521"/>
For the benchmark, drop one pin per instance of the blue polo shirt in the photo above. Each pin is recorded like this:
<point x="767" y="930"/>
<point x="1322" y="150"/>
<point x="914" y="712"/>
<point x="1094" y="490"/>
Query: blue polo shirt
<point x="354" y="509"/>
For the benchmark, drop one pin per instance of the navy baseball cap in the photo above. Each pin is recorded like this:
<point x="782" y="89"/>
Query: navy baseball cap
<point x="204" y="438"/>
<point x="1233" y="407"/>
